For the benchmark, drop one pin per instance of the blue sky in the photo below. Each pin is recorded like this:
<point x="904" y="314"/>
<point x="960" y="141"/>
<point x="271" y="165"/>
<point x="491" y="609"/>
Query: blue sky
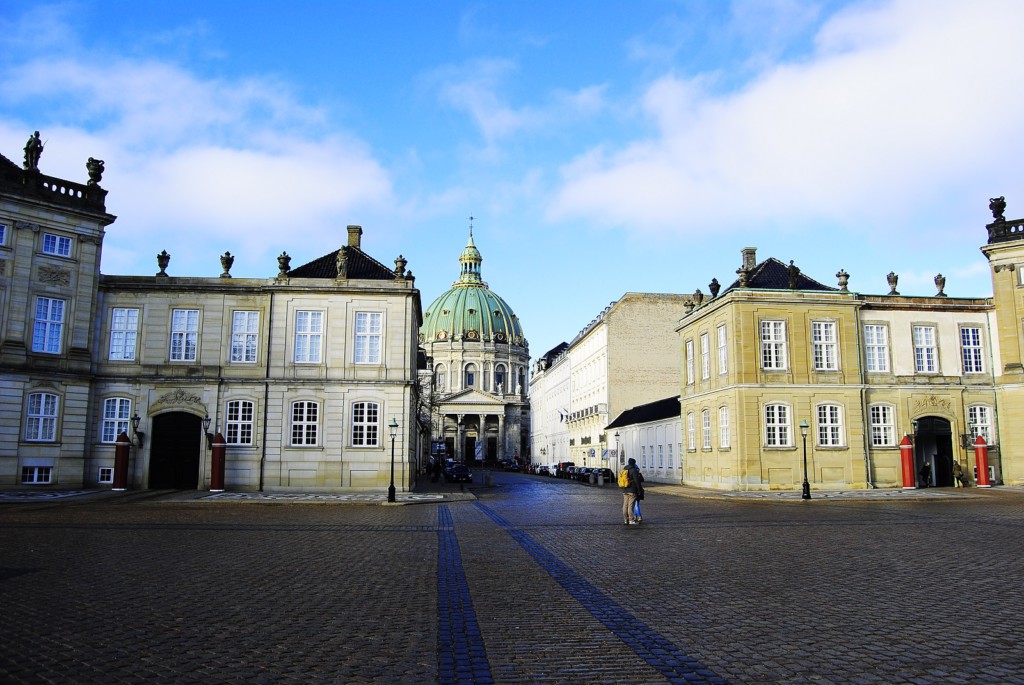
<point x="603" y="147"/>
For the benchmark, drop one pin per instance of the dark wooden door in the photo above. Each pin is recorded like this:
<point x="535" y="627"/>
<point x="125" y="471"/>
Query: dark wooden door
<point x="175" y="448"/>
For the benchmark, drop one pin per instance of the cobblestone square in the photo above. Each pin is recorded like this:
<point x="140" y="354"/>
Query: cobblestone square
<point x="535" y="580"/>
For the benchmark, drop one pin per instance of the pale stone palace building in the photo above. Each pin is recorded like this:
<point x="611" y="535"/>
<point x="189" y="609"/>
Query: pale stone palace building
<point x="306" y="374"/>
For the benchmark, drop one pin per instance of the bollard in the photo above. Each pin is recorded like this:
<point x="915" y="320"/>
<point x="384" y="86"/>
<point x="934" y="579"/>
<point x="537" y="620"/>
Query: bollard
<point x="593" y="478"/>
<point x="489" y="482"/>
<point x="600" y="480"/>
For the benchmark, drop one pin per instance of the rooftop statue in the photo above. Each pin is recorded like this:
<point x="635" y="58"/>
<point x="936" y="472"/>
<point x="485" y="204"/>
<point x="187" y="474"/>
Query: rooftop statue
<point x="33" y="151"/>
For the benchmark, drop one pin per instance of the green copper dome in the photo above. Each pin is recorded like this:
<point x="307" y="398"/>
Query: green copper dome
<point x="470" y="310"/>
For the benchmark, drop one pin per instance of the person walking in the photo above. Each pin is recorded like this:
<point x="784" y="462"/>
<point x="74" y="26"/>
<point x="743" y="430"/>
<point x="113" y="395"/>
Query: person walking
<point x="632" y="491"/>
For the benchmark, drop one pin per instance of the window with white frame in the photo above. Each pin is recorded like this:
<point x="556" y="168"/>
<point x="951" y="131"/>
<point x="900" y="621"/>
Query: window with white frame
<point x="824" y="339"/>
<point x="305" y="422"/>
<point x="365" y="424"/>
<point x="671" y="462"/>
<point x="36" y="475"/>
<point x="661" y="456"/>
<point x="184" y="334"/>
<point x="970" y="349"/>
<point x="238" y="424"/>
<point x="440" y="378"/>
<point x="48" y="325"/>
<point x="876" y="348"/>
<point x="643" y="456"/>
<point x="723" y="427"/>
<point x="470" y="375"/>
<point x="105" y="475"/>
<point x="245" y="328"/>
<point x="778" y="428"/>
<point x="41" y="417"/>
<point x="308" y="336"/>
<point x="830" y="425"/>
<point x="3" y="234"/>
<point x="723" y="351"/>
<point x="925" y="351"/>
<point x="979" y="420"/>
<point x="124" y="331"/>
<point x="58" y="245"/>
<point x="705" y="357"/>
<point x="689" y="362"/>
<point x="691" y="431"/>
<point x="773" y="345"/>
<point x="117" y="412"/>
<point x="369" y="331"/>
<point x="883" y="425"/>
<point x="705" y="429"/>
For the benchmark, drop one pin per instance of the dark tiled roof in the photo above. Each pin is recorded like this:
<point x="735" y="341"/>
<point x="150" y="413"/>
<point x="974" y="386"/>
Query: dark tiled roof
<point x="662" y="409"/>
<point x="771" y="274"/>
<point x="551" y="354"/>
<point x="360" y="265"/>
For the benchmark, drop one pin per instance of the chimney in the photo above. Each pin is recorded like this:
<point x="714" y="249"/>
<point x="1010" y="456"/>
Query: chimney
<point x="749" y="258"/>
<point x="353" y="236"/>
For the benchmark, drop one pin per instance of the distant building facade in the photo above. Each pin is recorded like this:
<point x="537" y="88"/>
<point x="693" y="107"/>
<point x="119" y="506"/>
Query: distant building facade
<point x="300" y="373"/>
<point x="627" y="356"/>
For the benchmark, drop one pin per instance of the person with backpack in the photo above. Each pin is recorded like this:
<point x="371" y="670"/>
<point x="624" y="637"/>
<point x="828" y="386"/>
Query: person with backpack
<point x="630" y="482"/>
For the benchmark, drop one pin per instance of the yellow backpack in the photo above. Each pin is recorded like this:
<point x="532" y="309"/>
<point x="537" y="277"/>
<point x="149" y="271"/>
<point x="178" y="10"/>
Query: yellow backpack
<point x="623" y="478"/>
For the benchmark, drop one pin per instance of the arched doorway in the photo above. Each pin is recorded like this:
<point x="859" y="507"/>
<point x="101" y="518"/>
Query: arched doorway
<point x="933" y="453"/>
<point x="175" y="449"/>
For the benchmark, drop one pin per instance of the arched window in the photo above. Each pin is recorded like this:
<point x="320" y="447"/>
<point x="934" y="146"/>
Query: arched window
<point x="777" y="426"/>
<point x="365" y="424"/>
<point x="499" y="378"/>
<point x="830" y="425"/>
<point x="440" y="378"/>
<point x="470" y="375"/>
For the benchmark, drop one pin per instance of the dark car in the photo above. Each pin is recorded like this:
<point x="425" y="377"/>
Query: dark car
<point x="543" y="470"/>
<point x="458" y="473"/>
<point x="608" y="475"/>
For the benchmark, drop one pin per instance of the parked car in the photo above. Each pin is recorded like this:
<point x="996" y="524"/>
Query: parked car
<point x="562" y="469"/>
<point x="607" y="474"/>
<point x="458" y="473"/>
<point x="542" y="470"/>
<point x="510" y="465"/>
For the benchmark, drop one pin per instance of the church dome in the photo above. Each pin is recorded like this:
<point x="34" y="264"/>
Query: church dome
<point x="470" y="310"/>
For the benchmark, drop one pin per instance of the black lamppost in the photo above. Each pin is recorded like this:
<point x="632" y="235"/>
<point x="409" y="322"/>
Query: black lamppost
<point x="393" y="427"/>
<point x="803" y="432"/>
<point x="618" y="455"/>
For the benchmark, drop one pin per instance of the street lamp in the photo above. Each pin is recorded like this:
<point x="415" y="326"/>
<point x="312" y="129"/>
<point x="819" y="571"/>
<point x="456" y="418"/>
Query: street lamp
<point x="618" y="455"/>
<point x="393" y="427"/>
<point x="803" y="432"/>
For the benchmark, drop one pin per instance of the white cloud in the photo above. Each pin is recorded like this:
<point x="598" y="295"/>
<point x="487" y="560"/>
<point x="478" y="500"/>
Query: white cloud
<point x="900" y="101"/>
<point x="197" y="162"/>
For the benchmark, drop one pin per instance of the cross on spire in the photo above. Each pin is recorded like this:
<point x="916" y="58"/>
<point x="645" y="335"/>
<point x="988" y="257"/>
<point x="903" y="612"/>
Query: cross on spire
<point x="471" y="220"/>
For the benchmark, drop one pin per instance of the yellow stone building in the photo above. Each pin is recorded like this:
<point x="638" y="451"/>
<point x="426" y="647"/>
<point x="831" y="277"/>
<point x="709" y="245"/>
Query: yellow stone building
<point x="780" y="370"/>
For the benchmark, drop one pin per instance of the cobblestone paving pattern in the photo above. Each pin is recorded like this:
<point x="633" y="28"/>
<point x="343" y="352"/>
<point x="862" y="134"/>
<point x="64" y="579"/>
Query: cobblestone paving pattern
<point x="651" y="647"/>
<point x="461" y="655"/>
<point x="143" y="588"/>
